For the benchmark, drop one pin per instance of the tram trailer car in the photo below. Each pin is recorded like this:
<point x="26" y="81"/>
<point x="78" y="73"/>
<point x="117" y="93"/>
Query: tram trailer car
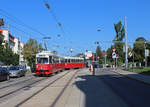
<point x="74" y="62"/>
<point x="48" y="63"/>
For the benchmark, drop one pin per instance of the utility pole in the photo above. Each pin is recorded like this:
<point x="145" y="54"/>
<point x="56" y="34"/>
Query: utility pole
<point x="105" y="60"/>
<point x="71" y="49"/>
<point x="20" y="50"/>
<point x="126" y="45"/>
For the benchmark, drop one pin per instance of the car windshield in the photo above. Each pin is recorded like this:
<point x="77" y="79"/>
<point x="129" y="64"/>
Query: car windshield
<point x="42" y="60"/>
<point x="14" y="68"/>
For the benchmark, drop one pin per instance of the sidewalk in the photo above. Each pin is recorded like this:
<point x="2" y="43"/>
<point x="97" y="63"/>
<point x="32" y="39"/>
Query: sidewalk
<point x="133" y="75"/>
<point x="84" y="90"/>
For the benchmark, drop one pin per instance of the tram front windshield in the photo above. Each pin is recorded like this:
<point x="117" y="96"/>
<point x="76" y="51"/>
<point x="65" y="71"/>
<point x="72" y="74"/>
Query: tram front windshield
<point x="42" y="60"/>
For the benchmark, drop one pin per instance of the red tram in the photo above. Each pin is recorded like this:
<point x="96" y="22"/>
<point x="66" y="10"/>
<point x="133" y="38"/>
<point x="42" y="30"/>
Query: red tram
<point x="48" y="63"/>
<point x="73" y="62"/>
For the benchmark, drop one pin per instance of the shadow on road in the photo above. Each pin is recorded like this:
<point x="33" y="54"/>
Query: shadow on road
<point x="111" y="90"/>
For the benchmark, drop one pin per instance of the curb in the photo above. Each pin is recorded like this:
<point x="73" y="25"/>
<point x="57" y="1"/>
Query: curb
<point x="142" y="81"/>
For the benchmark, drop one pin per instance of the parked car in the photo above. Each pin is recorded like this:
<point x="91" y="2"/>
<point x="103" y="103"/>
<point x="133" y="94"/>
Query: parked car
<point x="4" y="74"/>
<point x="17" y="71"/>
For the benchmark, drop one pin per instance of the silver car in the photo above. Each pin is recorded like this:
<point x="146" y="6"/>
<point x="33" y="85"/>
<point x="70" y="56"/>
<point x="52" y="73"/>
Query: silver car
<point x="17" y="71"/>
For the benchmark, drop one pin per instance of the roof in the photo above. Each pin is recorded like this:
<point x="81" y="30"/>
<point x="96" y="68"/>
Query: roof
<point x="73" y="58"/>
<point x="49" y="53"/>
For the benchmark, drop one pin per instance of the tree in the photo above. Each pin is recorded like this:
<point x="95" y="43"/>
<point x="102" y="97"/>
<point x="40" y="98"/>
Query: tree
<point x="109" y="53"/>
<point x="99" y="54"/>
<point x="120" y="31"/>
<point x="6" y="54"/>
<point x="1" y="48"/>
<point x="98" y="51"/>
<point x="29" y="51"/>
<point x="139" y="49"/>
<point x="120" y="34"/>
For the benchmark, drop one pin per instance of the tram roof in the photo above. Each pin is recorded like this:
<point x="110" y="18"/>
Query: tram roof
<point x="49" y="53"/>
<point x="73" y="58"/>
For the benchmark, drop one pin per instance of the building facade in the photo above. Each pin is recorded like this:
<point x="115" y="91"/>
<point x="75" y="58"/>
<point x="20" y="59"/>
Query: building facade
<point x="13" y="42"/>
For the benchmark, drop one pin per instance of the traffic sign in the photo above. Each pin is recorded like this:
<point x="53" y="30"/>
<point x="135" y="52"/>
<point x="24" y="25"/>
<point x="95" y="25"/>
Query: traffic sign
<point x="114" y="55"/>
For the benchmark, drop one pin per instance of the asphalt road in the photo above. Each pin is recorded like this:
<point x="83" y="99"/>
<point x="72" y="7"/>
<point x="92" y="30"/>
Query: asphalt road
<point x="132" y="92"/>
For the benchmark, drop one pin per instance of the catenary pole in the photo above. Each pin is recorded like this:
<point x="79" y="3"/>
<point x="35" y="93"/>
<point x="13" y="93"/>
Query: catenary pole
<point x="71" y="49"/>
<point x="20" y="50"/>
<point x="126" y="44"/>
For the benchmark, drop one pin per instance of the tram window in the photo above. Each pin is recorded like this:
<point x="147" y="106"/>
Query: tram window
<point x="57" y="60"/>
<point x="42" y="60"/>
<point x="66" y="60"/>
<point x="50" y="59"/>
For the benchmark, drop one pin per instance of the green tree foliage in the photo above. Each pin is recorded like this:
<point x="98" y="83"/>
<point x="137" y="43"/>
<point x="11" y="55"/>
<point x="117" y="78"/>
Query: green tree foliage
<point x="6" y="54"/>
<point x="29" y="51"/>
<point x="139" y="49"/>
<point x="98" y="51"/>
<point x="109" y="53"/>
<point x="120" y="34"/>
<point x="120" y="31"/>
<point x="99" y="54"/>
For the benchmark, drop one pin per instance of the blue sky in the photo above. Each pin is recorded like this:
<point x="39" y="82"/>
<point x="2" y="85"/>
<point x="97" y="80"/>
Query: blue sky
<point x="80" y="20"/>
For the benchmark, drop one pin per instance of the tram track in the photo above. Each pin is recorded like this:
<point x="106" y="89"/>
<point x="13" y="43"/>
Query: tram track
<point x="26" y="86"/>
<point x="63" y="90"/>
<point x="13" y="84"/>
<point x="34" y="94"/>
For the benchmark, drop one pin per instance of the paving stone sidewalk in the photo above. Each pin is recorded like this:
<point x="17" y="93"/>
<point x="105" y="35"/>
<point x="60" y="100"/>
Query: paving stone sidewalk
<point x="133" y="75"/>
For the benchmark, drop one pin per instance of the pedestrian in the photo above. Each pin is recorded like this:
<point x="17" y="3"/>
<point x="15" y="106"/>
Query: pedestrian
<point x="92" y="69"/>
<point x="93" y="73"/>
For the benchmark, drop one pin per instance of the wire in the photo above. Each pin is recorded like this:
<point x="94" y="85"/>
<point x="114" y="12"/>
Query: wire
<point x="54" y="16"/>
<point x="19" y="22"/>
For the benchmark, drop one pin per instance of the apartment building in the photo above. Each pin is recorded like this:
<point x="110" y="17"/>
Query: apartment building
<point x="13" y="42"/>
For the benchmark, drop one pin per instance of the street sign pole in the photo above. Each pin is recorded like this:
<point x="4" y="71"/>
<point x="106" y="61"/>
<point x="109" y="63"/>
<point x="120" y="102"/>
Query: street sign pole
<point x="114" y="57"/>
